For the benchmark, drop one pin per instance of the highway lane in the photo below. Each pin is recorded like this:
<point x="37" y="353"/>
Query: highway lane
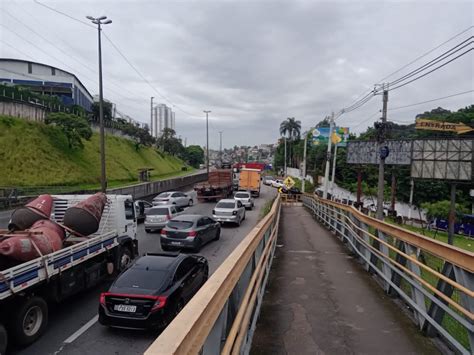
<point x="64" y="334"/>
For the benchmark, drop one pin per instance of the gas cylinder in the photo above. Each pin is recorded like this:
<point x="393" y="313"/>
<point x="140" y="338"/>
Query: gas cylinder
<point x="47" y="235"/>
<point x="84" y="218"/>
<point x="24" y="217"/>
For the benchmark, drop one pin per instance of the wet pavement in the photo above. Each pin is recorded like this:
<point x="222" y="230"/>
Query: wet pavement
<point x="319" y="300"/>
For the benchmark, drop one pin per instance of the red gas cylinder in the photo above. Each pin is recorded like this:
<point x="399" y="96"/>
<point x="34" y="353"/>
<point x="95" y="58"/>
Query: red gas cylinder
<point x="84" y="218"/>
<point x="47" y="235"/>
<point x="24" y="217"/>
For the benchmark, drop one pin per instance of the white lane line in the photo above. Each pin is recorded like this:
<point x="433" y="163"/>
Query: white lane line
<point x="82" y="330"/>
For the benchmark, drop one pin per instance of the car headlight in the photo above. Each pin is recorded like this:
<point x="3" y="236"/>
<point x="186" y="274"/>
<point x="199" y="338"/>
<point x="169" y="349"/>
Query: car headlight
<point x="234" y="213"/>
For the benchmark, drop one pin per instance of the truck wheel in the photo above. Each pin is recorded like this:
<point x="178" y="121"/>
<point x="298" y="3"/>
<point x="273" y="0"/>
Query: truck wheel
<point x="125" y="258"/>
<point x="30" y="321"/>
<point x="3" y="340"/>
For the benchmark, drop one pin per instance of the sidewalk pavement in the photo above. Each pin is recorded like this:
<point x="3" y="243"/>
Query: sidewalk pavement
<point x="319" y="300"/>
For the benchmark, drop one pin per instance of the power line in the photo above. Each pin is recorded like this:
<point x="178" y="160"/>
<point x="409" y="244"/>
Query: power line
<point x="425" y="54"/>
<point x="121" y="54"/>
<point x="16" y="49"/>
<point x="94" y="71"/>
<point x="438" y="59"/>
<point x="64" y="14"/>
<point x="432" y="100"/>
<point x="431" y="71"/>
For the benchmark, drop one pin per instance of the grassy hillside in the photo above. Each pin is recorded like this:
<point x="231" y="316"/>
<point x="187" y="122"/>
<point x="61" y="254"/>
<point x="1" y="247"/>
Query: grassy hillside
<point x="34" y="154"/>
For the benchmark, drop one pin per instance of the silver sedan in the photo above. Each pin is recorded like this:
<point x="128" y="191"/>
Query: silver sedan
<point x="229" y="211"/>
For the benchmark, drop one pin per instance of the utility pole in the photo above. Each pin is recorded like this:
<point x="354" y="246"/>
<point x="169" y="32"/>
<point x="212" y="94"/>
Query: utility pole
<point x="304" y="162"/>
<point x="207" y="112"/>
<point x="285" y="155"/>
<point x="412" y="187"/>
<point x="381" y="179"/>
<point x="151" y="117"/>
<point x="220" y="145"/>
<point x="452" y="214"/>
<point x="328" y="157"/>
<point x="333" y="168"/>
<point x="103" y="178"/>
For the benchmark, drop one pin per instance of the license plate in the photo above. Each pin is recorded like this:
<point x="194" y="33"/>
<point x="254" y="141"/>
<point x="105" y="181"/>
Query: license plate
<point x="175" y="243"/>
<point x="125" y="308"/>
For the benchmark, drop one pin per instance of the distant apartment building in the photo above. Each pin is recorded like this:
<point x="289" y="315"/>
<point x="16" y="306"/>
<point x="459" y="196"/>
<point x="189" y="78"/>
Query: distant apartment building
<point x="163" y="117"/>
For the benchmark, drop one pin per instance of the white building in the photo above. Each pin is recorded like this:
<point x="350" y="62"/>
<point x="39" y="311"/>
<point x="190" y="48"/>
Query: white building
<point x="163" y="117"/>
<point x="46" y="80"/>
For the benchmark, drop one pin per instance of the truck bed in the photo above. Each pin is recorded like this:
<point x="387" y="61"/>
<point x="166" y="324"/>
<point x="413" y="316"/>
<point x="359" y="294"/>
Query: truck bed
<point x="27" y="274"/>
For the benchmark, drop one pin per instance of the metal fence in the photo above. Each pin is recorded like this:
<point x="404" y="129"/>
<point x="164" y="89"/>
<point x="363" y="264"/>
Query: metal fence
<point x="222" y="316"/>
<point x="434" y="279"/>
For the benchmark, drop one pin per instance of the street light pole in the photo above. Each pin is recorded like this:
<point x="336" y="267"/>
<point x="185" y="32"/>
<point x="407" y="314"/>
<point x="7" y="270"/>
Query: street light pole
<point x="151" y="117"/>
<point x="103" y="178"/>
<point x="207" y="112"/>
<point x="328" y="158"/>
<point x="220" y="145"/>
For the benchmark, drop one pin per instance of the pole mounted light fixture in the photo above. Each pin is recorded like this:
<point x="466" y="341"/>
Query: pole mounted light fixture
<point x="103" y="178"/>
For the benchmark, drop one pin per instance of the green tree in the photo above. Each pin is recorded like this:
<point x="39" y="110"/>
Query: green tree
<point x="291" y="129"/>
<point x="440" y="209"/>
<point x="107" y="110"/>
<point x="74" y="127"/>
<point x="168" y="143"/>
<point x="194" y="155"/>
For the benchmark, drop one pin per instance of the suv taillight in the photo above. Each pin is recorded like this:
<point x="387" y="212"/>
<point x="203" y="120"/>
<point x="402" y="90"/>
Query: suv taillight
<point x="163" y="232"/>
<point x="192" y="234"/>
<point x="102" y="298"/>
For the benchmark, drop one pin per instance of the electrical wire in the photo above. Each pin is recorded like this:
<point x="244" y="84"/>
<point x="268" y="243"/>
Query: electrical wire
<point x="122" y="55"/>
<point x="431" y="71"/>
<point x="435" y="61"/>
<point x="432" y="100"/>
<point x="425" y="54"/>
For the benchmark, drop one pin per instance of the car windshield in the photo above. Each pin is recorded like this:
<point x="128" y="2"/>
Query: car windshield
<point x="140" y="278"/>
<point x="179" y="224"/>
<point x="225" y="205"/>
<point x="164" y="194"/>
<point x="241" y="195"/>
<point x="158" y="212"/>
<point x="268" y="177"/>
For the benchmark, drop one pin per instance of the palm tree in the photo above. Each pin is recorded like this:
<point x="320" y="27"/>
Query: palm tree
<point x="290" y="128"/>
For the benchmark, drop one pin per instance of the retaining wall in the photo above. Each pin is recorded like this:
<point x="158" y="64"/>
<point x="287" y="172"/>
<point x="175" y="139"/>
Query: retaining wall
<point x="152" y="188"/>
<point x="21" y="110"/>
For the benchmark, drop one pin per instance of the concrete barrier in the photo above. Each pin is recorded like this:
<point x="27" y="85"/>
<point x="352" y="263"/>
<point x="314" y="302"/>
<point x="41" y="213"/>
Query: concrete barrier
<point x="152" y="188"/>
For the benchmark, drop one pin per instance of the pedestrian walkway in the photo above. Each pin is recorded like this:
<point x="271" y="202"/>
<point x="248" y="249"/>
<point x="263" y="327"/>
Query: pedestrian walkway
<point x="319" y="300"/>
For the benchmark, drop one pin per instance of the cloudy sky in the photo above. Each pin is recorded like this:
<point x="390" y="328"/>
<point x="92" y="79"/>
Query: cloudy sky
<point x="252" y="63"/>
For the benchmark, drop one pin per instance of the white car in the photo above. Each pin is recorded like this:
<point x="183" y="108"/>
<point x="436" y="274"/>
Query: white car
<point x="158" y="216"/>
<point x="229" y="210"/>
<point x="277" y="183"/>
<point x="173" y="198"/>
<point x="246" y="198"/>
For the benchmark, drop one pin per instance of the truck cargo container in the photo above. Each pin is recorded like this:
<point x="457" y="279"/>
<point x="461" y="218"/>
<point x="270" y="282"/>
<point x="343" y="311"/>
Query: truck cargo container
<point x="27" y="288"/>
<point x="218" y="186"/>
<point x="249" y="180"/>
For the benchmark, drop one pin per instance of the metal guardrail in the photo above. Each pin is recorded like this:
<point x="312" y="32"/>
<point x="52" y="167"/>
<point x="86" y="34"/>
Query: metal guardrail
<point x="434" y="279"/>
<point x="222" y="316"/>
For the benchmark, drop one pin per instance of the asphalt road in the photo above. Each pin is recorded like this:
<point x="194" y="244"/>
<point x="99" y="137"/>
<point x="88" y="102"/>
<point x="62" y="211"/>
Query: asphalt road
<point x="73" y="326"/>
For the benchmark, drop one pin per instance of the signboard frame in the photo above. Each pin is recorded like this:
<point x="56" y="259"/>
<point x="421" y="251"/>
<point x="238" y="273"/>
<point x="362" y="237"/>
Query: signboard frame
<point x="368" y="152"/>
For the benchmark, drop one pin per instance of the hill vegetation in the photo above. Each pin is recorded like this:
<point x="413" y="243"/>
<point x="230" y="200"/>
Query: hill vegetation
<point x="36" y="154"/>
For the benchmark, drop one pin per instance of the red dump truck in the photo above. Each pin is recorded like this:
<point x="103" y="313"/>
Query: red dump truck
<point x="217" y="186"/>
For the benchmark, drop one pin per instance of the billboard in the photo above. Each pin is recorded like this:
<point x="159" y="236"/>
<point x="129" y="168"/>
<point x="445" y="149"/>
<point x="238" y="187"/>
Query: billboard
<point x="368" y="152"/>
<point x="340" y="135"/>
<point x="445" y="159"/>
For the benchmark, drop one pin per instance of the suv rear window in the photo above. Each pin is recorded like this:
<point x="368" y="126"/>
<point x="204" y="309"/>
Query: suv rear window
<point x="241" y="195"/>
<point x="158" y="212"/>
<point x="225" y="205"/>
<point x="179" y="224"/>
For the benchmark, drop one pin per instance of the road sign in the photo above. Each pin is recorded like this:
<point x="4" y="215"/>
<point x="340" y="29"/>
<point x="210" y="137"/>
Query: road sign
<point x="431" y="125"/>
<point x="289" y="182"/>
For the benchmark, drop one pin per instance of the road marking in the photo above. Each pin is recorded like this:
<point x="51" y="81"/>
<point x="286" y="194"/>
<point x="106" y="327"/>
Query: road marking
<point x="81" y="330"/>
